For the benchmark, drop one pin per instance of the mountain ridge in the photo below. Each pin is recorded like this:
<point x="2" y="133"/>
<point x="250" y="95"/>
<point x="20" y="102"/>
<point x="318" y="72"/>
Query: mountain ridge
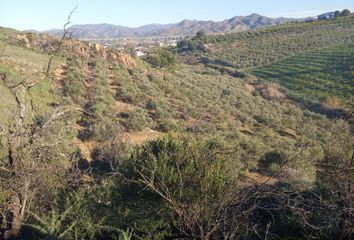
<point x="184" y="27"/>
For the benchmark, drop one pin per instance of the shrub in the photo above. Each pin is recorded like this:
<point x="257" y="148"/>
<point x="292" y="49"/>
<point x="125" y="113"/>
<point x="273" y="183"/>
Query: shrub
<point x="192" y="60"/>
<point x="161" y="58"/>
<point x="193" y="179"/>
<point x="166" y="125"/>
<point x="151" y="105"/>
<point x="137" y="120"/>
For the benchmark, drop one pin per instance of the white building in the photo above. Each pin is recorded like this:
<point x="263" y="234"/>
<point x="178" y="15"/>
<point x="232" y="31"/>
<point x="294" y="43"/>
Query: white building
<point x="140" y="53"/>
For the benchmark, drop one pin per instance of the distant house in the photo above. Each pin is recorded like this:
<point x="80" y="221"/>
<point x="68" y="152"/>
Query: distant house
<point x="172" y="44"/>
<point x="325" y="16"/>
<point x="140" y="53"/>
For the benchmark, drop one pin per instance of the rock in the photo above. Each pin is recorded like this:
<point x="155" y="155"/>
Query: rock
<point x="24" y="38"/>
<point x="98" y="47"/>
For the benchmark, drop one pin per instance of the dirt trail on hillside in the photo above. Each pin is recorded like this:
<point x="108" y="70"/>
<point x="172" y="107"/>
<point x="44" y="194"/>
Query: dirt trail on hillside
<point x="255" y="178"/>
<point x="114" y="87"/>
<point x="122" y="107"/>
<point x="86" y="147"/>
<point x="59" y="72"/>
<point x="137" y="138"/>
<point x="85" y="143"/>
<point x="59" y="75"/>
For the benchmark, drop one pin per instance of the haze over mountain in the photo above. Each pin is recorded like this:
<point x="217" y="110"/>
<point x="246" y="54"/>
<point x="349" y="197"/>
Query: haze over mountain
<point x="185" y="27"/>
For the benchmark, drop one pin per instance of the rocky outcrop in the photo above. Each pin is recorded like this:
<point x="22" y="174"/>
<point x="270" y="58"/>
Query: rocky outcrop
<point x="71" y="47"/>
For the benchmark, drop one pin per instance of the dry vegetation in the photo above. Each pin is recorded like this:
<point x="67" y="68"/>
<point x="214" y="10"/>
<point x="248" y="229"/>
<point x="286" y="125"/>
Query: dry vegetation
<point x="106" y="146"/>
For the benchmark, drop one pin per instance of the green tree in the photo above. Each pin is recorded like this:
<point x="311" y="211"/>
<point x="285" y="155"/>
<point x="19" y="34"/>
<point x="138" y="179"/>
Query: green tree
<point x="162" y="58"/>
<point x="337" y="14"/>
<point x="201" y="34"/>
<point x="346" y="12"/>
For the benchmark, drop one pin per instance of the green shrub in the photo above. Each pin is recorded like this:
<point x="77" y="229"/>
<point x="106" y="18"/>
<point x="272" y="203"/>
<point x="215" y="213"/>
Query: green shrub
<point x="137" y="120"/>
<point x="191" y="177"/>
<point x="151" y="105"/>
<point x="161" y="58"/>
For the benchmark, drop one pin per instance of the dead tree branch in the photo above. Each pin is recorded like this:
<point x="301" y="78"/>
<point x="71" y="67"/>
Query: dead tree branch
<point x="66" y="36"/>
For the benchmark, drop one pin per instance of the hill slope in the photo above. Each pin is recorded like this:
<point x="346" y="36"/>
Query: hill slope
<point x="304" y="56"/>
<point x="319" y="74"/>
<point x="265" y="46"/>
<point x="141" y="99"/>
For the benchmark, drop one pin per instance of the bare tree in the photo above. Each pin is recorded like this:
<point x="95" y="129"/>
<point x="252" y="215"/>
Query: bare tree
<point x="31" y="144"/>
<point x="67" y="34"/>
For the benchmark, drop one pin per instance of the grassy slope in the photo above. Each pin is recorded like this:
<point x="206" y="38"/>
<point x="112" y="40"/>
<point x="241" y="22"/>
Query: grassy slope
<point x="315" y="74"/>
<point x="19" y="63"/>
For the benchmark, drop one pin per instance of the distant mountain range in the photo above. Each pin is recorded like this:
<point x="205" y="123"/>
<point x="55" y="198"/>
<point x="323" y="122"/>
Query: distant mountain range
<point x="185" y="27"/>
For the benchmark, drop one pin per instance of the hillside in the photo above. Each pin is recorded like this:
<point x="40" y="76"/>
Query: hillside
<point x="299" y="56"/>
<point x="264" y="46"/>
<point x="180" y="144"/>
<point x="144" y="97"/>
<point x="316" y="74"/>
<point x="185" y="27"/>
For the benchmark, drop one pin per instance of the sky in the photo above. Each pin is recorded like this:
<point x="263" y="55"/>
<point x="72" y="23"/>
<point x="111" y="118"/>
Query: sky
<point x="48" y="14"/>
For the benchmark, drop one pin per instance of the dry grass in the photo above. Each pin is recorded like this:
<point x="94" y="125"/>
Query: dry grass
<point x="123" y="107"/>
<point x="143" y="136"/>
<point x="86" y="148"/>
<point x="289" y="133"/>
<point x="59" y="72"/>
<point x="246" y="130"/>
<point x="254" y="178"/>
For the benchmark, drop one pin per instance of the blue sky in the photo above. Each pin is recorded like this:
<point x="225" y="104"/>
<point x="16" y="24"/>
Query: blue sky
<point x="47" y="14"/>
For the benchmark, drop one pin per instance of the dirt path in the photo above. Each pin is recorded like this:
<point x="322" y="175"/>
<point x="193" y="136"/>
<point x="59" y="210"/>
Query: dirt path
<point x="59" y="75"/>
<point x="85" y="143"/>
<point x="255" y="178"/>
<point x="59" y="72"/>
<point x="86" y="148"/>
<point x="82" y="141"/>
<point x="122" y="107"/>
<point x="114" y="87"/>
<point x="137" y="138"/>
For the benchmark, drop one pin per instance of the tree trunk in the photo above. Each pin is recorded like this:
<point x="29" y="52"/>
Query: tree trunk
<point x="17" y="217"/>
<point x="17" y="205"/>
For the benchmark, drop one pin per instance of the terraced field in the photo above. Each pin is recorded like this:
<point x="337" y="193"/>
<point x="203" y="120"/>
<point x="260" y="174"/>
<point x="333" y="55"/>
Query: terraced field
<point x="316" y="74"/>
<point x="267" y="46"/>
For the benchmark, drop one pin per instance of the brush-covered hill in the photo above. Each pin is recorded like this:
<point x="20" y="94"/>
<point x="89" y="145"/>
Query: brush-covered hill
<point x="139" y="97"/>
<point x="97" y="144"/>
